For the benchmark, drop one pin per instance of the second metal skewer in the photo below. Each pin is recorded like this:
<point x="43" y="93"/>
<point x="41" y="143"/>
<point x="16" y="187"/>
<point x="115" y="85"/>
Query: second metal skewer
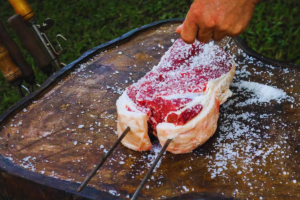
<point x="226" y="47"/>
<point x="162" y="151"/>
<point x="90" y="176"/>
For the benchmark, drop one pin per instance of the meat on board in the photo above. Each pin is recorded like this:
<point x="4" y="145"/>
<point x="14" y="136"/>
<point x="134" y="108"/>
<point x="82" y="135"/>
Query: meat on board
<point x="178" y="99"/>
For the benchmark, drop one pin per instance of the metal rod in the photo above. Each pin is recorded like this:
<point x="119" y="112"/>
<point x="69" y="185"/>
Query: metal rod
<point x="27" y="90"/>
<point x="90" y="176"/>
<point x="20" y="91"/>
<point x="54" y="59"/>
<point x="226" y="46"/>
<point x="137" y="192"/>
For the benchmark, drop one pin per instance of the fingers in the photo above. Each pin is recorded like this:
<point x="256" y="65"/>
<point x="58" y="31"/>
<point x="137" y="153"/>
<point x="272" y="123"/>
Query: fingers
<point x="204" y="36"/>
<point x="218" y="35"/>
<point x="178" y="29"/>
<point x="216" y="19"/>
<point x="189" y="30"/>
<point x="236" y="30"/>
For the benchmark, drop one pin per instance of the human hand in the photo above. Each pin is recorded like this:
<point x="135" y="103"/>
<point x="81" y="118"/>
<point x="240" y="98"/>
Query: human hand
<point x="215" y="19"/>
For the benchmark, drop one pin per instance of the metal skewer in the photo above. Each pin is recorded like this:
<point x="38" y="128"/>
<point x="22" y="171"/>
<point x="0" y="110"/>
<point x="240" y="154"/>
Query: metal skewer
<point x="137" y="192"/>
<point x="27" y="90"/>
<point x="227" y="44"/>
<point x="90" y="176"/>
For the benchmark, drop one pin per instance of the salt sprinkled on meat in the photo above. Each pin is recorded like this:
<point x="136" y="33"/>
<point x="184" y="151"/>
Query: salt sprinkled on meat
<point x="211" y="55"/>
<point x="183" y="70"/>
<point x="174" y="76"/>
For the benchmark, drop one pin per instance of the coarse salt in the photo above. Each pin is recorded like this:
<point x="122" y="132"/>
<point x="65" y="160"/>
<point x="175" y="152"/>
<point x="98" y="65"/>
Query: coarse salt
<point x="81" y="126"/>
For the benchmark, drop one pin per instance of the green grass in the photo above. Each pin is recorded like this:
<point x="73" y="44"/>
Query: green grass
<point x="273" y="31"/>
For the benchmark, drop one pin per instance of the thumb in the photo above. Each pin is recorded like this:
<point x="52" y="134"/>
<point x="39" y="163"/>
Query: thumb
<point x="178" y="29"/>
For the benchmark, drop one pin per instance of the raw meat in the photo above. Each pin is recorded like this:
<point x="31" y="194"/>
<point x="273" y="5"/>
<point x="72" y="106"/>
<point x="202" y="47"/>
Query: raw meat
<point x="179" y="98"/>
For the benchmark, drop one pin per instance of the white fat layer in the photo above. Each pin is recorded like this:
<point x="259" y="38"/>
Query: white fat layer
<point x="124" y="101"/>
<point x="175" y="81"/>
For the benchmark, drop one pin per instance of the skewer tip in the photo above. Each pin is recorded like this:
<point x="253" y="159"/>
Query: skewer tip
<point x="79" y="189"/>
<point x="162" y="151"/>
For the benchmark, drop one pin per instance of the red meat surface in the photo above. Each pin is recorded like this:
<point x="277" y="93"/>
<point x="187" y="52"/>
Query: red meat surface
<point x="182" y="74"/>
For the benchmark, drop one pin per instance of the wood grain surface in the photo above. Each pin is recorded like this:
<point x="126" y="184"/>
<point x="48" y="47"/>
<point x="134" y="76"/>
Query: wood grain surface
<point x="67" y="129"/>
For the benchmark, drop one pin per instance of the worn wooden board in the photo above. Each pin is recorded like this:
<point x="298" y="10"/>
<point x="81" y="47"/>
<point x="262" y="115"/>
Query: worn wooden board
<point x="69" y="126"/>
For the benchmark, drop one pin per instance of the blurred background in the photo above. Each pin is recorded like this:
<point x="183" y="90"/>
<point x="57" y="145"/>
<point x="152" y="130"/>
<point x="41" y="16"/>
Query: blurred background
<point x="274" y="30"/>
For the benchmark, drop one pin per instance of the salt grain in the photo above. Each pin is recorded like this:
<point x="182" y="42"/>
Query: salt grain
<point x="185" y="188"/>
<point x="260" y="93"/>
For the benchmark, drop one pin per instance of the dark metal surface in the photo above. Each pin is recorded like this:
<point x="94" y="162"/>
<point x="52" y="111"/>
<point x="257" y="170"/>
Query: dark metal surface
<point x="61" y="94"/>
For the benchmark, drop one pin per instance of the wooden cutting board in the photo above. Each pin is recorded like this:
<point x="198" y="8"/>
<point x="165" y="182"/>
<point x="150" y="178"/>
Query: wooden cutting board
<point x="56" y="136"/>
